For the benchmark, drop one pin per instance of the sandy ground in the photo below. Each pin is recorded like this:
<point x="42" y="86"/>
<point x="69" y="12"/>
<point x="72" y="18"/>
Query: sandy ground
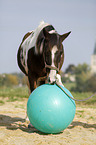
<point x="14" y="131"/>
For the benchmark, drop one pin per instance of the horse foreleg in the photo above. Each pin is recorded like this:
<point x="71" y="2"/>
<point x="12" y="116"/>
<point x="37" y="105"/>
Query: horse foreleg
<point x="32" y="81"/>
<point x="32" y="84"/>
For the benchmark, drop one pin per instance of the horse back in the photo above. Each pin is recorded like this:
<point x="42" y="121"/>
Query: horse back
<point x="21" y="66"/>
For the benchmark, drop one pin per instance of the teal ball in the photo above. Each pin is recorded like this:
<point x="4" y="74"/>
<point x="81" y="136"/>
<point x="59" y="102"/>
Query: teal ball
<point x="49" y="109"/>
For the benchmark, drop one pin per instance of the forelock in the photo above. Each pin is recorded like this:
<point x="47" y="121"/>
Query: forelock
<point x="54" y="39"/>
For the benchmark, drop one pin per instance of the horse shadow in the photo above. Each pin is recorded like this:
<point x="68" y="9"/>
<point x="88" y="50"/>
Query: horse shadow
<point x="14" y="123"/>
<point x="84" y="125"/>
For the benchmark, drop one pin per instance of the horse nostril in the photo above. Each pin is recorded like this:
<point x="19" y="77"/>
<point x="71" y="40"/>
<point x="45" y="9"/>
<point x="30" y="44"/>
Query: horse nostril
<point x="47" y="70"/>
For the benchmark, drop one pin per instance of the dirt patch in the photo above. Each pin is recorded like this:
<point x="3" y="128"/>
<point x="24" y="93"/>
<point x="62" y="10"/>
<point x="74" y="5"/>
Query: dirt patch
<point x="14" y="131"/>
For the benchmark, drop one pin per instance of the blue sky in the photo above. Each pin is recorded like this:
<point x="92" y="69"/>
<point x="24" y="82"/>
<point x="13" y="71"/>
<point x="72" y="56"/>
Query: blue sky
<point x="17" y="17"/>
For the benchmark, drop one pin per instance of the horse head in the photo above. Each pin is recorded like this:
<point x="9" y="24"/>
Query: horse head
<point x="53" y="52"/>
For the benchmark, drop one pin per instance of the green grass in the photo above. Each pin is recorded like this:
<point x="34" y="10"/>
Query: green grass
<point x="83" y="95"/>
<point x="1" y="102"/>
<point x="77" y="95"/>
<point x="69" y="85"/>
<point x="17" y="93"/>
<point x="14" y="94"/>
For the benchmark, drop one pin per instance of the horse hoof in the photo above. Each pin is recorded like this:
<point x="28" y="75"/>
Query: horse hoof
<point x="30" y="125"/>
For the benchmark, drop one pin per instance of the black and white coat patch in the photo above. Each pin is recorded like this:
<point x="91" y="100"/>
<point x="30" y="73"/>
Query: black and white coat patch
<point x="30" y="43"/>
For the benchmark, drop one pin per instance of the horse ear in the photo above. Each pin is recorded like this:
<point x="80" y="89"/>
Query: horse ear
<point x="64" y="36"/>
<point x="46" y="34"/>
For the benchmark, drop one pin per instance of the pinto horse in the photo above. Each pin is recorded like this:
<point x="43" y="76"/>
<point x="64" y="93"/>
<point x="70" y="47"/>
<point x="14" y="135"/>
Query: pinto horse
<point x="41" y="55"/>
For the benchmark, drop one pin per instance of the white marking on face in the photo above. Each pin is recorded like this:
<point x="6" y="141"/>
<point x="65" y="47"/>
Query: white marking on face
<point x="54" y="49"/>
<point x="52" y="31"/>
<point x="52" y="74"/>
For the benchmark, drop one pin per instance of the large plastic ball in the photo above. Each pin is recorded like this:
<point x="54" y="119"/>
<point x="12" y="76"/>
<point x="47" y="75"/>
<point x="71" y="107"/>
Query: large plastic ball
<point x="49" y="109"/>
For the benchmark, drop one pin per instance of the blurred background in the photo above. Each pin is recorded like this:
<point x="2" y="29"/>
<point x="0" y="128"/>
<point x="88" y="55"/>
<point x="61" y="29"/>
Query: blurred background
<point x="20" y="16"/>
